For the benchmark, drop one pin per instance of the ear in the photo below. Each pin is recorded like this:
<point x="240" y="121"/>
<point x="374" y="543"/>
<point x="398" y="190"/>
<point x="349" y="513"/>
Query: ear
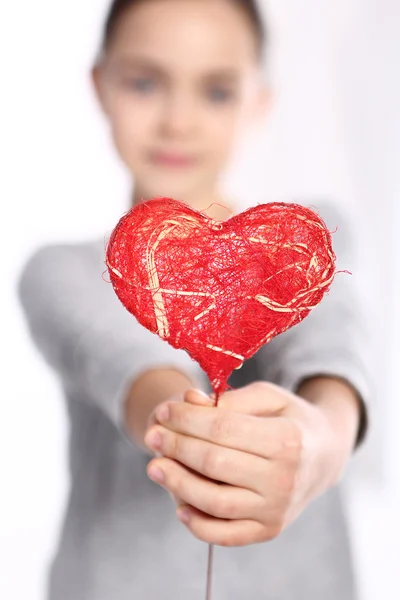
<point x="98" y="86"/>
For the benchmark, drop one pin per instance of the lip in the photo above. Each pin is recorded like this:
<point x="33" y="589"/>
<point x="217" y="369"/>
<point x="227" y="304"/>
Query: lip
<point x="172" y="160"/>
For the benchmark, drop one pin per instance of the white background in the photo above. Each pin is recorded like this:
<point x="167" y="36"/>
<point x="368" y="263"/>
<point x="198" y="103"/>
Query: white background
<point x="335" y="133"/>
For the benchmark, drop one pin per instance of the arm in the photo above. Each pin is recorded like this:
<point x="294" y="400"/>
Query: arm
<point x="148" y="391"/>
<point x="97" y="348"/>
<point x="342" y="406"/>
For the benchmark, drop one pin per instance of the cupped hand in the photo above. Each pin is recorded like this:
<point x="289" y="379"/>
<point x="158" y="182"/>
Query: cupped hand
<point x="242" y="471"/>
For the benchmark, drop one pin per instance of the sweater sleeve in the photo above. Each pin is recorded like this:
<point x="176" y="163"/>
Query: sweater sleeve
<point x="82" y="330"/>
<point x="333" y="340"/>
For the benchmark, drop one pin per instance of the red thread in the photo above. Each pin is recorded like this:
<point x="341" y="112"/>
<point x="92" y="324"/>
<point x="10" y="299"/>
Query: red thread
<point x="220" y="289"/>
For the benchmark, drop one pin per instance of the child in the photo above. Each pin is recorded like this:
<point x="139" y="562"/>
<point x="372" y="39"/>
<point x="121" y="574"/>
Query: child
<point x="179" y="82"/>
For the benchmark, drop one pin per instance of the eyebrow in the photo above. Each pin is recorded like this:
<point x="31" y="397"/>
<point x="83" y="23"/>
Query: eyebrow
<point x="139" y="62"/>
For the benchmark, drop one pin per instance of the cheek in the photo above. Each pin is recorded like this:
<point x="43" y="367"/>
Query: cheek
<point x="131" y="125"/>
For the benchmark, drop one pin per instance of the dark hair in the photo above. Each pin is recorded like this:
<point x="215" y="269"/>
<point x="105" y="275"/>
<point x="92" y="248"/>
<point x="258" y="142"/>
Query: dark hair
<point x="249" y="7"/>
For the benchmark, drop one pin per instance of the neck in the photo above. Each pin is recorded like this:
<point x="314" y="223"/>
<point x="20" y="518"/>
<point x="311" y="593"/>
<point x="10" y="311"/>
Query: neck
<point x="212" y="203"/>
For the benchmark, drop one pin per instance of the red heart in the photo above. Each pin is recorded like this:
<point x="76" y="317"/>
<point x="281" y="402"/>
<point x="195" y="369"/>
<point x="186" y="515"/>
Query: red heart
<point x="220" y="290"/>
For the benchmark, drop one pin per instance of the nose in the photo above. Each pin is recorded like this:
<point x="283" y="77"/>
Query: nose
<point x="178" y="115"/>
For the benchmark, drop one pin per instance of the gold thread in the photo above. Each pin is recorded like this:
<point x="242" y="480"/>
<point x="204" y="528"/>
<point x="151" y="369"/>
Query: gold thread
<point x="158" y="301"/>
<point x="229" y="352"/>
<point x="117" y="273"/>
<point x="186" y="293"/>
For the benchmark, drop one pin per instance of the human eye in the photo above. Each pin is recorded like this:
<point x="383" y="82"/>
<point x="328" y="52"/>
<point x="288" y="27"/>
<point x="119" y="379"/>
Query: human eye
<point x="142" y="85"/>
<point x="220" y="95"/>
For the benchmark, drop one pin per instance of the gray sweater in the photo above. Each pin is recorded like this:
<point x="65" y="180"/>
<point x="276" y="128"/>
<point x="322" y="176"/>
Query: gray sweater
<point x="121" y="539"/>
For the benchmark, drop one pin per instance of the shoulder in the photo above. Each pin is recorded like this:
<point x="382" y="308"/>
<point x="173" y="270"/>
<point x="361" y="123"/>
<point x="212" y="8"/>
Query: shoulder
<point x="340" y="221"/>
<point x="54" y="264"/>
<point x="54" y="256"/>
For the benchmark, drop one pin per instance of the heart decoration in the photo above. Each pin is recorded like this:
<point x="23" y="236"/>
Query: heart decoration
<point x="220" y="289"/>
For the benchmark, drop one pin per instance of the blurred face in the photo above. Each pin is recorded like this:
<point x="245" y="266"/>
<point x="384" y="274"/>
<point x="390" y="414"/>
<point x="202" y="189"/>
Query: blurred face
<point x="179" y="85"/>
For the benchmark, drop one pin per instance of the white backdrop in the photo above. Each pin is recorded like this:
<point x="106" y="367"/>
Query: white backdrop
<point x="335" y="133"/>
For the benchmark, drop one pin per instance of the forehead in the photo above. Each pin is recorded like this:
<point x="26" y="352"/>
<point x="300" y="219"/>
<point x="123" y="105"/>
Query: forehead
<point x="208" y="36"/>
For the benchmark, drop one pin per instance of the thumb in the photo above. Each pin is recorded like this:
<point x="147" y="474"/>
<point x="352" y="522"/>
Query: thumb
<point x="198" y="398"/>
<point x="259" y="398"/>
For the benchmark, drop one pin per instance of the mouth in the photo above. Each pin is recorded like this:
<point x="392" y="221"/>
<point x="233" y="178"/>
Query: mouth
<point x="169" y="159"/>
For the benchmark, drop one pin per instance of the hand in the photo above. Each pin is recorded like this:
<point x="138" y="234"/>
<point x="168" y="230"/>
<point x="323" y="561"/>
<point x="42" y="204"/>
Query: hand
<point x="249" y="467"/>
<point x="199" y="399"/>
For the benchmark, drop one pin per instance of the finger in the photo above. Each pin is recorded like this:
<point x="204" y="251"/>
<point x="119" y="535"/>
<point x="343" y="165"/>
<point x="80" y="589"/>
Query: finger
<point x="224" y="532"/>
<point x="177" y="399"/>
<point x="175" y="499"/>
<point x="264" y="437"/>
<point x="222" y="501"/>
<point x="260" y="398"/>
<point x="198" y="398"/>
<point x="215" y="462"/>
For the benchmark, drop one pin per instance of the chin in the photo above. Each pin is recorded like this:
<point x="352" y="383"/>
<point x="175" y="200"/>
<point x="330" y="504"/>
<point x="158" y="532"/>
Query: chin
<point x="167" y="189"/>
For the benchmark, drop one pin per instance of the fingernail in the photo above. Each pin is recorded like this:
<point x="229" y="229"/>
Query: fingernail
<point x="201" y="393"/>
<point x="206" y="396"/>
<point x="203" y="396"/>
<point x="183" y="515"/>
<point x="153" y="439"/>
<point x="156" y="475"/>
<point x="162" y="413"/>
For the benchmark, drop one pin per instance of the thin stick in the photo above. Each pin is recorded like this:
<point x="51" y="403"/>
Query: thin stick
<point x="210" y="571"/>
<point x="211" y="546"/>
